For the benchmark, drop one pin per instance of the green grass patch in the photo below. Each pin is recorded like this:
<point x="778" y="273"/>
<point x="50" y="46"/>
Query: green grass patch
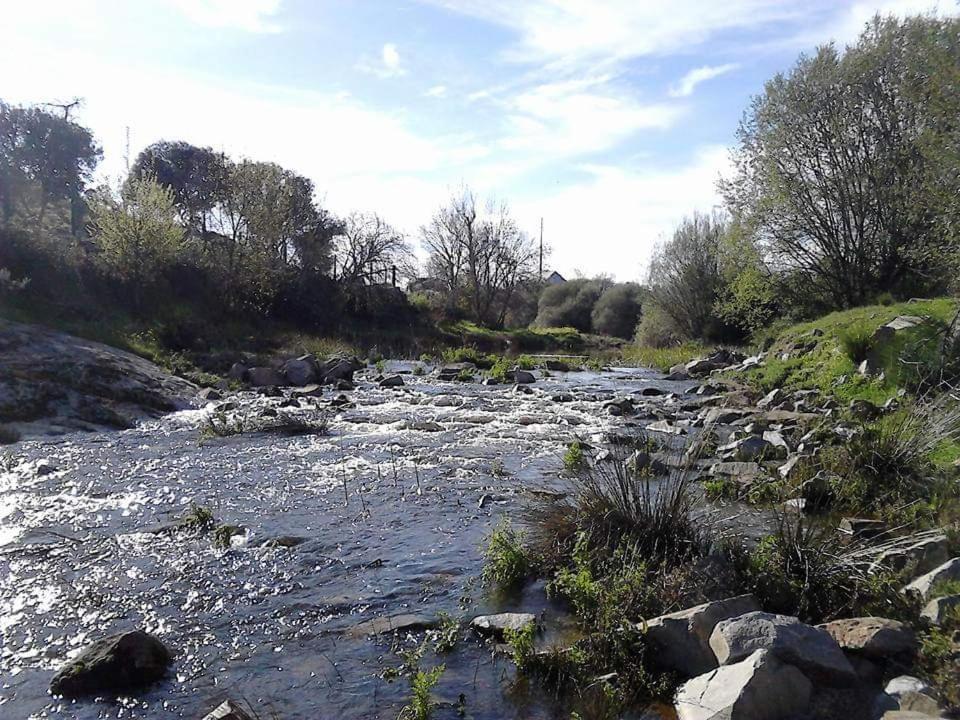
<point x="824" y="354"/>
<point x="663" y="359"/>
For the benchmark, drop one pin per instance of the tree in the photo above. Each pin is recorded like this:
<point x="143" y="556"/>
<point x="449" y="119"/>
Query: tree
<point x="481" y="257"/>
<point x="685" y="276"/>
<point x="40" y="150"/>
<point x="197" y="177"/>
<point x="570" y="304"/>
<point x="617" y="311"/>
<point x="137" y="232"/>
<point x="836" y="161"/>
<point x="367" y="244"/>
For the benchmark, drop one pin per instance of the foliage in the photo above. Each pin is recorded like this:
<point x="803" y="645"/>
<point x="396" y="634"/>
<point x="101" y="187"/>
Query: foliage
<point x="617" y="311"/>
<point x="685" y="275"/>
<point x="421" y="704"/>
<point x="198" y="517"/>
<point x="570" y="304"/>
<point x="447" y="633"/>
<point x="220" y="424"/>
<point x="838" y="160"/>
<point x="664" y="358"/>
<point x="507" y="564"/>
<point x="939" y="658"/>
<point x="573" y="457"/>
<point x="137" y="232"/>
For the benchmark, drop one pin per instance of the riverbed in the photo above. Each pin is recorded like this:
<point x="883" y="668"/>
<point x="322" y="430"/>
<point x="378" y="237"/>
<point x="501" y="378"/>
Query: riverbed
<point x="386" y="515"/>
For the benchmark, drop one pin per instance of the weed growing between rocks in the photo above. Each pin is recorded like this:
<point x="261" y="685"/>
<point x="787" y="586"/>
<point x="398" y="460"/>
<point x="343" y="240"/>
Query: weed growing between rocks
<point x="573" y="458"/>
<point x="939" y="658"/>
<point x="507" y="562"/>
<point x="221" y="424"/>
<point x="197" y="518"/>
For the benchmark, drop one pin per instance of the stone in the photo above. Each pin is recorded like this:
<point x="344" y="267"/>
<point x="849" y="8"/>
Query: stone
<point x="562" y="398"/>
<point x="521" y="377"/>
<point x="300" y="371"/>
<point x="811" y="649"/>
<point x="748" y="449"/>
<point x="771" y="399"/>
<point x="557" y="365"/>
<point x="682" y="638"/>
<point x="338" y="369"/>
<point x="392" y="623"/>
<point x="209" y="394"/>
<point x="873" y="637"/>
<point x="313" y="390"/>
<point x="780" y="447"/>
<point x="677" y="376"/>
<point x="490" y="381"/>
<point x="619" y="407"/>
<point x="864" y="410"/>
<point x="760" y="687"/>
<point x="907" y="715"/>
<point x="665" y="426"/>
<point x="264" y="377"/>
<point x="920" y="556"/>
<point x="238" y="371"/>
<point x="227" y="710"/>
<point x="724" y="416"/>
<point x="736" y="469"/>
<point x="925" y="584"/>
<point x="861" y="527"/>
<point x="938" y="609"/>
<point x="787" y="470"/>
<point x="651" y="391"/>
<point x="497" y="625"/>
<point x="391" y="381"/>
<point x="117" y="663"/>
<point x="910" y="694"/>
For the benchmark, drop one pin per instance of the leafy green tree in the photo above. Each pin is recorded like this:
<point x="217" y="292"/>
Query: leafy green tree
<point x="685" y="277"/>
<point x="137" y="233"/>
<point x="47" y="154"/>
<point x="837" y="160"/>
<point x="570" y="304"/>
<point x="617" y="311"/>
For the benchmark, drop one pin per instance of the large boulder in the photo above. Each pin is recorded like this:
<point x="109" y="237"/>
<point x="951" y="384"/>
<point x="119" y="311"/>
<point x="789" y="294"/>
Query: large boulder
<point x="760" y="687"/>
<point x="117" y="663"/>
<point x="919" y="556"/>
<point x="682" y="638"/>
<point x="925" y="585"/>
<point x="265" y="377"/>
<point x="909" y="694"/>
<point x="338" y="369"/>
<point x="521" y="377"/>
<point x="810" y="649"/>
<point x="875" y="638"/>
<point x="301" y="371"/>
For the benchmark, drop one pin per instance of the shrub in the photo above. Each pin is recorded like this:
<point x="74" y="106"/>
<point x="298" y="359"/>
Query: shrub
<point x="856" y="342"/>
<point x="656" y="328"/>
<point x="507" y="564"/>
<point x="569" y="304"/>
<point x="421" y="704"/>
<point x="573" y="457"/>
<point x="617" y="311"/>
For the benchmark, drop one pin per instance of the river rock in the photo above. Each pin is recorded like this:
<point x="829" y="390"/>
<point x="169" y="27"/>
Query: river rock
<point x="392" y="381"/>
<point x="873" y="637"/>
<point x="925" y="584"/>
<point x="760" y="687"/>
<point x="338" y="368"/>
<point x="920" y="556"/>
<point x="864" y="410"/>
<point x="300" y="371"/>
<point x="497" y="625"/>
<point x="724" y="416"/>
<point x="677" y="375"/>
<point x="682" y="638"/>
<point x="392" y="623"/>
<point x="209" y="394"/>
<point x="117" y="663"/>
<point x="264" y="377"/>
<point x="665" y="426"/>
<point x="939" y="608"/>
<point x="521" y="377"/>
<point x="861" y="527"/>
<point x="312" y="390"/>
<point x="736" y="469"/>
<point x="748" y="449"/>
<point x="909" y="694"/>
<point x="227" y="710"/>
<point x="810" y="649"/>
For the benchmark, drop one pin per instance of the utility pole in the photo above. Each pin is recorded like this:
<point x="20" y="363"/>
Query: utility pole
<point x="126" y="152"/>
<point x="541" y="249"/>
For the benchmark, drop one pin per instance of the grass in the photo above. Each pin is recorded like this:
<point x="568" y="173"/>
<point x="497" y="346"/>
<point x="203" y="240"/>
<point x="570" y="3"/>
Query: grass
<point x="220" y="424"/>
<point x="824" y="354"/>
<point x="663" y="359"/>
<point x="573" y="458"/>
<point x="507" y="563"/>
<point x="198" y="518"/>
<point x="939" y="660"/>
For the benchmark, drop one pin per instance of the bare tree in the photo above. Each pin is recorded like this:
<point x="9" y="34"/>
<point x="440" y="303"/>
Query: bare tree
<point x="368" y="244"/>
<point x="482" y="257"/>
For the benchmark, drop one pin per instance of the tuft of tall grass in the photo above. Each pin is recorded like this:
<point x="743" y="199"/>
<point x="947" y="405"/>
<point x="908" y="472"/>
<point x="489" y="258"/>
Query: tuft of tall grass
<point x="856" y="342"/>
<point x="220" y="424"/>
<point x="507" y="562"/>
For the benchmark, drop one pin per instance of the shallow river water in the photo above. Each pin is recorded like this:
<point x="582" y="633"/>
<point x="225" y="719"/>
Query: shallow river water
<point x="276" y="626"/>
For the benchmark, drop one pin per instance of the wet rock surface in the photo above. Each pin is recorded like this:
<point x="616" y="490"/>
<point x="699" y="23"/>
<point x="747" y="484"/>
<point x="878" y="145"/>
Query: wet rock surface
<point x="118" y="663"/>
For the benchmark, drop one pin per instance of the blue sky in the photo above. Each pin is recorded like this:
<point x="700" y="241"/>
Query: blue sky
<point x="608" y="118"/>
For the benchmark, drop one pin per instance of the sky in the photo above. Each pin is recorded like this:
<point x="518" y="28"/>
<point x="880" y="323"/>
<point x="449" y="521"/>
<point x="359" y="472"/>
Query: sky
<point x="609" y="119"/>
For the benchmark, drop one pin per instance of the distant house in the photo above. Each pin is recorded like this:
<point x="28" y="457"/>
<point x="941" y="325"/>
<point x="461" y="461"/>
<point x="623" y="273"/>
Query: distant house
<point x="555" y="278"/>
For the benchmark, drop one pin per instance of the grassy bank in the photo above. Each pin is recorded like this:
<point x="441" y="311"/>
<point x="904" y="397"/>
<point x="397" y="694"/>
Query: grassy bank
<point x="825" y="354"/>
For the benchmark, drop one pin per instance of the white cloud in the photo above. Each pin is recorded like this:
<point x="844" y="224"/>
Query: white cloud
<point x="689" y="82"/>
<point x="388" y="66"/>
<point x="574" y="31"/>
<point x="579" y="116"/>
<point x="437" y="91"/>
<point x="611" y="222"/>
<point x="249" y="15"/>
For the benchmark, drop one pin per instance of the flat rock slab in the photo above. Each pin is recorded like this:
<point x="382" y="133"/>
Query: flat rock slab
<point x="391" y="624"/>
<point x="873" y="637"/>
<point x="497" y="625"/>
<point x="682" y="638"/>
<point x="925" y="585"/>
<point x="811" y="649"/>
<point x="117" y="663"/>
<point x="937" y="610"/>
<point x="227" y="710"/>
<point x="760" y="687"/>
